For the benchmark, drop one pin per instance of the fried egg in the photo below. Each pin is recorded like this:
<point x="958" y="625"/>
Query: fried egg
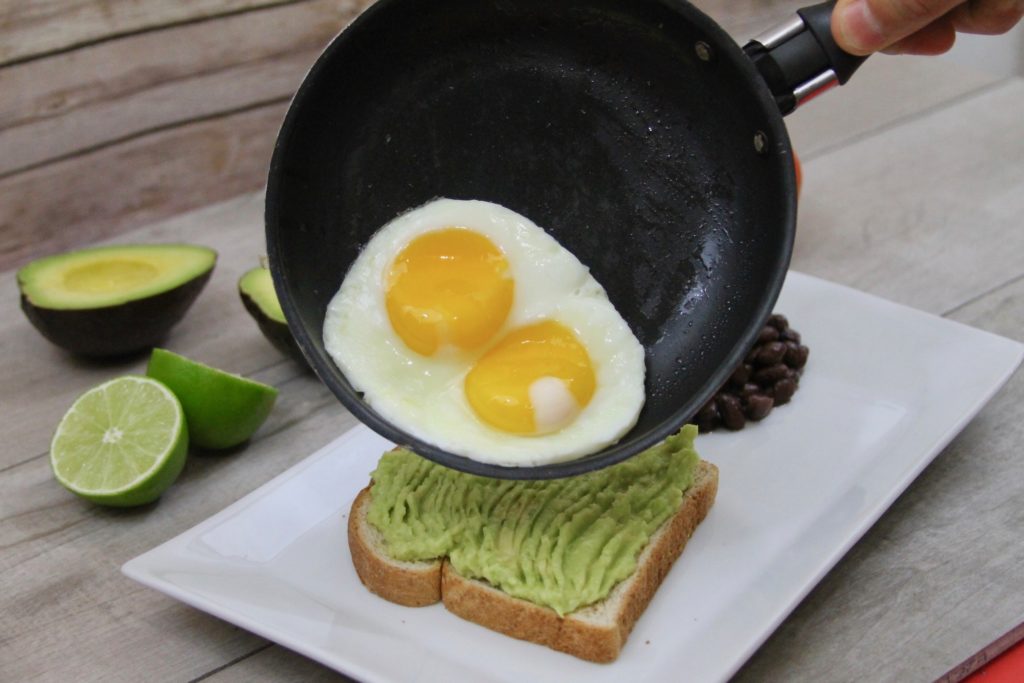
<point x="468" y="326"/>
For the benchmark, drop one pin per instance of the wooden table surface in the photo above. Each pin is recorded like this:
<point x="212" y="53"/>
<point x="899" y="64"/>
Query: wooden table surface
<point x="914" y="191"/>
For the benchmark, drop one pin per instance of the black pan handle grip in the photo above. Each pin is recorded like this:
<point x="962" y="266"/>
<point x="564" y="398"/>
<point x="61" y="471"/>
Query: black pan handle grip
<point x="800" y="59"/>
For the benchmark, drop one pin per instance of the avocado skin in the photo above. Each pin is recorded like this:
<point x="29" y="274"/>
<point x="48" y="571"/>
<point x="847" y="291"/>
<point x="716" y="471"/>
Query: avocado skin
<point x="276" y="333"/>
<point x="116" y="330"/>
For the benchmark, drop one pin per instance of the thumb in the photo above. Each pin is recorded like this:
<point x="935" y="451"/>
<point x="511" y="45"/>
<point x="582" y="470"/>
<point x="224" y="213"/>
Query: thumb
<point x="864" y="26"/>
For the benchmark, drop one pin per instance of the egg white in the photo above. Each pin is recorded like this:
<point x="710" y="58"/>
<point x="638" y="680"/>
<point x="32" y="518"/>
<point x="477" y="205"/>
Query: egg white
<point x="424" y="395"/>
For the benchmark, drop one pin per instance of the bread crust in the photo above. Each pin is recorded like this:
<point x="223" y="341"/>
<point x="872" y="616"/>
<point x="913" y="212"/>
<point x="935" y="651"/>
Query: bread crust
<point x="413" y="584"/>
<point x="595" y="633"/>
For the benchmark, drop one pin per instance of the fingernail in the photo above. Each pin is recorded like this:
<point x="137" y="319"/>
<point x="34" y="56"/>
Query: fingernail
<point x="861" y="31"/>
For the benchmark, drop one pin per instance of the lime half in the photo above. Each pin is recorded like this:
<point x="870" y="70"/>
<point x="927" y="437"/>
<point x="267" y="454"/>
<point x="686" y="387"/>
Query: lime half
<point x="121" y="443"/>
<point x="223" y="410"/>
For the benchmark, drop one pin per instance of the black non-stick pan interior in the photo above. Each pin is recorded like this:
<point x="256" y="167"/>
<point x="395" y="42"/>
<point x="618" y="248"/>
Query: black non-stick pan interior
<point x="634" y="131"/>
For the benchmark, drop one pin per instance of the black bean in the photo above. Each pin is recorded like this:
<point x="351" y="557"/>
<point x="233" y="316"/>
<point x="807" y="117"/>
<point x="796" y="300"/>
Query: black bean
<point x="741" y="374"/>
<point x="708" y="410"/>
<point x="707" y="418"/>
<point x="796" y="357"/>
<point x="770" y="354"/>
<point x="731" y="411"/>
<point x="784" y="390"/>
<point x="749" y="389"/>
<point x="789" y="335"/>
<point x="771" y="374"/>
<point x="758" y="406"/>
<point x="768" y="376"/>
<point x="707" y="425"/>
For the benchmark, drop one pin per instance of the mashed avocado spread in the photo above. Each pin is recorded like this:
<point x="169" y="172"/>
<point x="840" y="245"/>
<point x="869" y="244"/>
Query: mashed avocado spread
<point x="563" y="543"/>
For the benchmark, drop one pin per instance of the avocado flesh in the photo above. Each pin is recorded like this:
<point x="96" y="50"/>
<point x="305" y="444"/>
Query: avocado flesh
<point x="256" y="288"/>
<point x="106" y="301"/>
<point x="561" y="543"/>
<point x="259" y="286"/>
<point x="108" y="276"/>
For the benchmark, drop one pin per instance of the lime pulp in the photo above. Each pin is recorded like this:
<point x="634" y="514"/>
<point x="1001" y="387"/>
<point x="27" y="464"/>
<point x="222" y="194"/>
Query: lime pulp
<point x="121" y="443"/>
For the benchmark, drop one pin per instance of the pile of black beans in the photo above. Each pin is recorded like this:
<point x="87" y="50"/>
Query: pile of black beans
<point x="768" y="376"/>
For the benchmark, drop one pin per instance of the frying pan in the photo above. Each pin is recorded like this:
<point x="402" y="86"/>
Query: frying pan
<point x="635" y="131"/>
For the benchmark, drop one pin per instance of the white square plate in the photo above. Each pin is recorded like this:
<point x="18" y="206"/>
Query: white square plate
<point x="885" y="390"/>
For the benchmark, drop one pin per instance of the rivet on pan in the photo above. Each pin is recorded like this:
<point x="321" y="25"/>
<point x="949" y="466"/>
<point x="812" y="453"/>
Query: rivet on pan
<point x="704" y="51"/>
<point x="760" y="142"/>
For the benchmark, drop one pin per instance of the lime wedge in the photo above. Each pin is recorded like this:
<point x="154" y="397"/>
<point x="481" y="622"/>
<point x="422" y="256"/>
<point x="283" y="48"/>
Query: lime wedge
<point x="222" y="410"/>
<point x="121" y="443"/>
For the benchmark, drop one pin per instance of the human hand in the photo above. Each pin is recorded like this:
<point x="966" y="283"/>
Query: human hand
<point x="923" y="27"/>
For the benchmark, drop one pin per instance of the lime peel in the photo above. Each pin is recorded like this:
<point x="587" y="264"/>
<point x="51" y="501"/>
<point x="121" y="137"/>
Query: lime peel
<point x="222" y="409"/>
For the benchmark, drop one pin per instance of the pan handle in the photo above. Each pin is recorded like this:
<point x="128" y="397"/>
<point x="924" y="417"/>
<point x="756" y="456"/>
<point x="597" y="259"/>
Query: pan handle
<point x="800" y="59"/>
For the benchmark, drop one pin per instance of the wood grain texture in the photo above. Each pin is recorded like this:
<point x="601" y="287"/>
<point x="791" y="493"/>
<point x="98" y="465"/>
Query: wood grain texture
<point x="912" y="213"/>
<point x="885" y="91"/>
<point x="41" y="381"/>
<point x="936" y="579"/>
<point x="938" y="576"/>
<point x="100" y="193"/>
<point x="104" y="138"/>
<point x="744" y="19"/>
<point x="34" y="27"/>
<point x="276" y="663"/>
<point x="984" y="656"/>
<point x="96" y="103"/>
<point x="59" y="553"/>
<point x="74" y="101"/>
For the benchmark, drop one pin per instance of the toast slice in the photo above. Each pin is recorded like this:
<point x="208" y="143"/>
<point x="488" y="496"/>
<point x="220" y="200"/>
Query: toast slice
<point x="413" y="584"/>
<point x="596" y="632"/>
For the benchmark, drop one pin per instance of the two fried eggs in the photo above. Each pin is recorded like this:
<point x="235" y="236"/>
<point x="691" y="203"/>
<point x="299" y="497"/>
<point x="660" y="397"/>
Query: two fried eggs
<point x="468" y="326"/>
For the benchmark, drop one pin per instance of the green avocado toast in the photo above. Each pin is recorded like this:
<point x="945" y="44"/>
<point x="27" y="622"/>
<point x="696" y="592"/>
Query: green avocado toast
<point x="568" y="563"/>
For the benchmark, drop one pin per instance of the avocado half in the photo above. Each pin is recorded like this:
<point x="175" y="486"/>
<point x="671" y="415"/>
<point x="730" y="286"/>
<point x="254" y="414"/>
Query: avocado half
<point x="256" y="288"/>
<point x="111" y="301"/>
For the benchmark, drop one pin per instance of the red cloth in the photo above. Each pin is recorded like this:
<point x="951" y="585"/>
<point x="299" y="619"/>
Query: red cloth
<point x="1006" y="668"/>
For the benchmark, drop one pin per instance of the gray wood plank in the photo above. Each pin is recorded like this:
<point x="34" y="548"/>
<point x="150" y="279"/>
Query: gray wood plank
<point x="73" y="101"/>
<point x="276" y="663"/>
<point x="34" y="27"/>
<point x="938" y="577"/>
<point x="59" y="564"/>
<point x="66" y="611"/>
<point x="886" y="90"/>
<point x="109" y="190"/>
<point x="744" y="19"/>
<point x="71" y="615"/>
<point x="927" y="212"/>
<point x="41" y="381"/>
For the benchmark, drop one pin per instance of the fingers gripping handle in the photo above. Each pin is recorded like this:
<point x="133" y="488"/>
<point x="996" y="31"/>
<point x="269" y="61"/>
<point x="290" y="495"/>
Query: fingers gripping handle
<point x="800" y="59"/>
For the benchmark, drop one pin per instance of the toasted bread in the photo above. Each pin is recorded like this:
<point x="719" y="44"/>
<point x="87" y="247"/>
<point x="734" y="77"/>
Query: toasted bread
<point x="596" y="632"/>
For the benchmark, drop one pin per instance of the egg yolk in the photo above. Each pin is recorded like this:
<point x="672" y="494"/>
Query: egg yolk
<point x="448" y="287"/>
<point x="534" y="381"/>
